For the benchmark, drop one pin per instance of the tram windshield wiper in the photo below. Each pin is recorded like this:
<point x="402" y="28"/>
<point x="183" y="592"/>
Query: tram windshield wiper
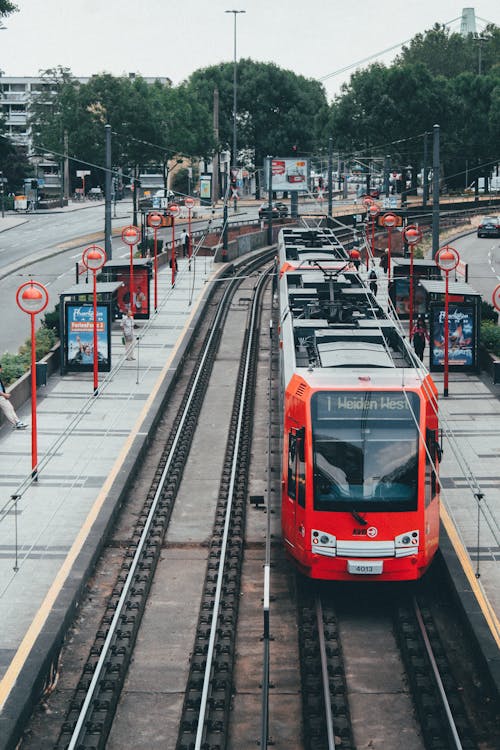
<point x="359" y="518"/>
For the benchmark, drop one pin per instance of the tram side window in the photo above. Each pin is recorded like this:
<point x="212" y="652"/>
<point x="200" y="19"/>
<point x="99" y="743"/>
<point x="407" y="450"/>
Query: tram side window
<point x="434" y="451"/>
<point x="292" y="473"/>
<point x="296" y="467"/>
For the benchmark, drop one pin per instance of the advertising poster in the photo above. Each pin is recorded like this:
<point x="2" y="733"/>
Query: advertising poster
<point x="460" y="339"/>
<point x="141" y="292"/>
<point x="206" y="187"/>
<point x="79" y="344"/>
<point x="288" y="174"/>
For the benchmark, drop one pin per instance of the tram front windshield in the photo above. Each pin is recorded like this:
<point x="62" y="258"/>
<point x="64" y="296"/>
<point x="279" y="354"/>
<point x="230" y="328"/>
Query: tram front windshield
<point x="365" y="447"/>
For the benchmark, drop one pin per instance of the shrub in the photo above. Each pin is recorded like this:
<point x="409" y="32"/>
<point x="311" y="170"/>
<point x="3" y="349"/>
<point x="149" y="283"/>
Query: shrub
<point x="15" y="365"/>
<point x="490" y="337"/>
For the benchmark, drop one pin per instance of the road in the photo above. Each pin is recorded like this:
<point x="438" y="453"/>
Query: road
<point x="483" y="259"/>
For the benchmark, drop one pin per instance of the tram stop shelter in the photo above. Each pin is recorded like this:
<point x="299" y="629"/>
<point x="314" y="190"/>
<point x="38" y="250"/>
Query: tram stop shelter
<point x="464" y="322"/>
<point x="399" y="287"/>
<point x="119" y="271"/>
<point x="76" y="323"/>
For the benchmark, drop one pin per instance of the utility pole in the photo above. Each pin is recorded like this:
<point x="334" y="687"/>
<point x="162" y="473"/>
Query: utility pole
<point x="66" y="167"/>
<point x="107" y="196"/>
<point x="387" y="163"/>
<point x="425" y="186"/>
<point x="216" y="167"/>
<point x="270" y="186"/>
<point x="435" y="192"/>
<point x="330" y="177"/>
<point x="235" y="156"/>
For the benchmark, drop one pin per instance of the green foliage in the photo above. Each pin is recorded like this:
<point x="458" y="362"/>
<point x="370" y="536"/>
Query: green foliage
<point x="51" y="321"/>
<point x="15" y="365"/>
<point x="150" y="245"/>
<point x="6" y="8"/>
<point x="488" y="312"/>
<point x="490" y="337"/>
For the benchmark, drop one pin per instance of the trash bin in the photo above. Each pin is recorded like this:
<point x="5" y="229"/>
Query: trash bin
<point x="41" y="373"/>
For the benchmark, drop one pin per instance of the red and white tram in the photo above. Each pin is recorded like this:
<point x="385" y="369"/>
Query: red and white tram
<point x="360" y="493"/>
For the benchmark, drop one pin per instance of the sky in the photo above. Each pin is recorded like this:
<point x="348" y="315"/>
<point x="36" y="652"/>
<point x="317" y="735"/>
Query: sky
<point x="173" y="39"/>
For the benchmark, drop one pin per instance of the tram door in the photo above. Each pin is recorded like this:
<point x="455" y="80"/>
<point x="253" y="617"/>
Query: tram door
<point x="296" y="488"/>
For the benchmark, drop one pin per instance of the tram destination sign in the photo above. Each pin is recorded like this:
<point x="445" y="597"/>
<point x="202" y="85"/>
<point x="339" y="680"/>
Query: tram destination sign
<point x="354" y="404"/>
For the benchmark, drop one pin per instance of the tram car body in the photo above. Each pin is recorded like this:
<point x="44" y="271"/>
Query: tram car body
<point x="310" y="249"/>
<point x="360" y="492"/>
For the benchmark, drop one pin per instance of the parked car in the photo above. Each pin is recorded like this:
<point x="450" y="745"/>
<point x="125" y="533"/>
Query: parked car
<point x="489" y="227"/>
<point x="279" y="210"/>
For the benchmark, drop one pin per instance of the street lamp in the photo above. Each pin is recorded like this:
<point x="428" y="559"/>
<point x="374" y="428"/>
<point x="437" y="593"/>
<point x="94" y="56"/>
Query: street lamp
<point x="412" y="235"/>
<point x="155" y="221"/>
<point x="235" y="13"/>
<point x="93" y="258"/>
<point x="189" y="203"/>
<point x="373" y="211"/>
<point x="447" y="259"/>
<point x="389" y="221"/>
<point x="173" y="210"/>
<point x="131" y="236"/>
<point x="32" y="298"/>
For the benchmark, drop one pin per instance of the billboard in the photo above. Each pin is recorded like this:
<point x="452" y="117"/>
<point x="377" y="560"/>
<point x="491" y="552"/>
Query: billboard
<point x="289" y="174"/>
<point x="79" y="339"/>
<point x="461" y="336"/>
<point x="141" y="291"/>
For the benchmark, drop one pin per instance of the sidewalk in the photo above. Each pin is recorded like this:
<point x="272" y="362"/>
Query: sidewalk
<point x="87" y="448"/>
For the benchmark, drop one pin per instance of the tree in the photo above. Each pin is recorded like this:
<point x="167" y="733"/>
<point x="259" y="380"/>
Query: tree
<point x="150" y="123"/>
<point x="6" y="8"/>
<point x="276" y="109"/>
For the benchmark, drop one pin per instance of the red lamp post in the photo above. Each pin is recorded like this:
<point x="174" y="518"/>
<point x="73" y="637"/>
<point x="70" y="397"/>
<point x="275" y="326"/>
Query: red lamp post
<point x="389" y="221"/>
<point x="447" y="259"/>
<point x="131" y="236"/>
<point x="373" y="211"/>
<point x="93" y="258"/>
<point x="189" y="203"/>
<point x="32" y="298"/>
<point x="412" y="235"/>
<point x="155" y="221"/>
<point x="174" y="211"/>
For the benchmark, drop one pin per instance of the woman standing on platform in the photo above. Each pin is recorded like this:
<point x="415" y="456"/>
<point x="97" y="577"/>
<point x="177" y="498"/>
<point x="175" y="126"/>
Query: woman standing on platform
<point x="127" y="325"/>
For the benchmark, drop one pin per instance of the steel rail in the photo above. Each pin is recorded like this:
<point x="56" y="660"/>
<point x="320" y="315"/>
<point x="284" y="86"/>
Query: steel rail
<point x="437" y="677"/>
<point x="324" y="675"/>
<point x="222" y="559"/>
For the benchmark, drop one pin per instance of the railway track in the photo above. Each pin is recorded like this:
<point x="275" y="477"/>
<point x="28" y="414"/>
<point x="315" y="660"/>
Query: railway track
<point x="355" y="647"/>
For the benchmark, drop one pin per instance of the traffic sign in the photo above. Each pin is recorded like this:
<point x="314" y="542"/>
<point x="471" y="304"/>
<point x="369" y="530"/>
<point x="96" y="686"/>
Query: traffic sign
<point x="234" y="193"/>
<point x="189" y="202"/>
<point x="174" y="209"/>
<point x="495" y="298"/>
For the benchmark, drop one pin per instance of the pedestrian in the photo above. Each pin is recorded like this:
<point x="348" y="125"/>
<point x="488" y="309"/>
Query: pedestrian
<point x="372" y="278"/>
<point x="185" y="243"/>
<point x="355" y="257"/>
<point x="7" y="408"/>
<point x="419" y="336"/>
<point x="127" y="325"/>
<point x="384" y="260"/>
